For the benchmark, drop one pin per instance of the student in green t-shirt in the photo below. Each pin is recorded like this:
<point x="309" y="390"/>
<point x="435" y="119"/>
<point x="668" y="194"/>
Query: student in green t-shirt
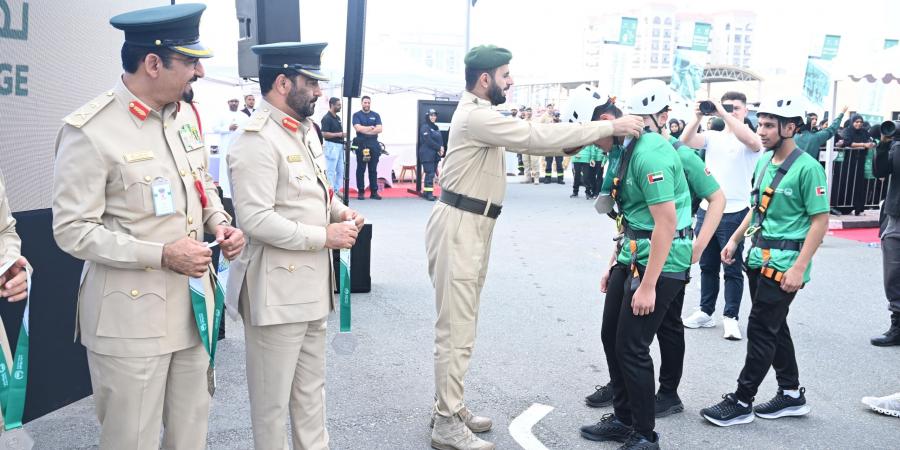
<point x="784" y="238"/>
<point x="653" y="197"/>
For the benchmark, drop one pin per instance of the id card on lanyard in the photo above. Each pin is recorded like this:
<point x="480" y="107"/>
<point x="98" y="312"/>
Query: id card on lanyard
<point x="13" y="381"/>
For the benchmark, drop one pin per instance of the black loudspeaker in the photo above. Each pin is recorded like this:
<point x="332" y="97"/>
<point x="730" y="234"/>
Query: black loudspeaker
<point x="264" y="22"/>
<point x="57" y="365"/>
<point x="360" y="263"/>
<point x="353" y="58"/>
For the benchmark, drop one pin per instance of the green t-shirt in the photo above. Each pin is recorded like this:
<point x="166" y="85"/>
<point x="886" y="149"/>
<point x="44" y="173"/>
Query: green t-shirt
<point x="800" y="195"/>
<point x="585" y="154"/>
<point x="701" y="183"/>
<point x="655" y="175"/>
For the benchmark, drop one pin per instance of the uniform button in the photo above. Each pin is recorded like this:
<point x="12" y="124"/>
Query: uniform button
<point x="109" y="93"/>
<point x="166" y="127"/>
<point x="291" y="268"/>
<point x="131" y="105"/>
<point x="93" y="105"/>
<point x="265" y="109"/>
<point x="183" y="173"/>
<point x="190" y="220"/>
<point x="147" y="178"/>
<point x="134" y="292"/>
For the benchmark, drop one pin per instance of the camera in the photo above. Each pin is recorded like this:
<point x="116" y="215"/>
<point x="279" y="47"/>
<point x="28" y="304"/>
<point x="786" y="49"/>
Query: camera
<point x="889" y="128"/>
<point x="708" y="108"/>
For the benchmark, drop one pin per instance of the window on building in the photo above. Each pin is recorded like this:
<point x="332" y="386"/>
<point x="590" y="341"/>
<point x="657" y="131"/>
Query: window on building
<point x="665" y="59"/>
<point x="737" y="38"/>
<point x="667" y="33"/>
<point x="727" y="27"/>
<point x="654" y="58"/>
<point x="656" y="32"/>
<point x="656" y="20"/>
<point x="747" y="39"/>
<point x="668" y="21"/>
<point x="655" y="45"/>
<point x="666" y="46"/>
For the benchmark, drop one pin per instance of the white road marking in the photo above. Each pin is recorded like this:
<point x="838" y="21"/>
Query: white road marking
<point x="520" y="427"/>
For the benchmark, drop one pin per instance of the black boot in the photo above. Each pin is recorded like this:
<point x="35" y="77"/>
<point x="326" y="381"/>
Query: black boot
<point x="546" y="180"/>
<point x="559" y="180"/>
<point x="429" y="196"/>
<point x="891" y="336"/>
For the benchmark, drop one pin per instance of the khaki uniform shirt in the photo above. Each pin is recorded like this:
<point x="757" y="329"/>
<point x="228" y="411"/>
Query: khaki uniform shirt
<point x="109" y="153"/>
<point x="283" y="202"/>
<point x="474" y="165"/>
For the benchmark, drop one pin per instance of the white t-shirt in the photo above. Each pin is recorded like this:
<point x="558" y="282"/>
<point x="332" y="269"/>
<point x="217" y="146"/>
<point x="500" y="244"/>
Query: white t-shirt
<point x="732" y="163"/>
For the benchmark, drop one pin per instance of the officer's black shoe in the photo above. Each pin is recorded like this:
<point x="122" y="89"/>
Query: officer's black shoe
<point x="728" y="412"/>
<point x="429" y="196"/>
<point x="375" y="197"/>
<point x="609" y="428"/>
<point x="637" y="441"/>
<point x="574" y="195"/>
<point x="891" y="336"/>
<point x="546" y="180"/>
<point x="360" y="197"/>
<point x="602" y="396"/>
<point x="783" y="405"/>
<point x="668" y="404"/>
<point x="559" y="180"/>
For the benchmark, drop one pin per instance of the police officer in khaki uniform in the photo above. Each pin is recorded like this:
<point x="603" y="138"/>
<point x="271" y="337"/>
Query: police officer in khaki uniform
<point x="13" y="285"/>
<point x="132" y="197"/>
<point x="458" y="234"/>
<point x="285" y="203"/>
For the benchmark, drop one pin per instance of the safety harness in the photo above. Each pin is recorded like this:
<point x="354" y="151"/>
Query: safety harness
<point x="762" y="199"/>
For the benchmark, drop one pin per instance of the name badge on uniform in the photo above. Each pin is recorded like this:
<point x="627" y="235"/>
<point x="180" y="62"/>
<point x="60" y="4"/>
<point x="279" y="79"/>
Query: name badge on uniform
<point x="163" y="203"/>
<point x="190" y="137"/>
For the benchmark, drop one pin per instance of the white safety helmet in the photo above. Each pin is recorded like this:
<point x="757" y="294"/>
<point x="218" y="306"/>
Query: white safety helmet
<point x="579" y="108"/>
<point x="785" y="107"/>
<point x="648" y="97"/>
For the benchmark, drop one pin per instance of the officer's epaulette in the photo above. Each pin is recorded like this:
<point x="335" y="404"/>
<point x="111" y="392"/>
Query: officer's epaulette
<point x="257" y="120"/>
<point x="87" y="111"/>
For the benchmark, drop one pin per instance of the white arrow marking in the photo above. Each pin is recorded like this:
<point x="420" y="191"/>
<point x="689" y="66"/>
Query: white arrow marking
<point x="520" y="427"/>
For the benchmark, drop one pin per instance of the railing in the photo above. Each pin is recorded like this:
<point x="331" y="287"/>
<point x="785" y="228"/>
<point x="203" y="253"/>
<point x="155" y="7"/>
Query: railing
<point x="848" y="180"/>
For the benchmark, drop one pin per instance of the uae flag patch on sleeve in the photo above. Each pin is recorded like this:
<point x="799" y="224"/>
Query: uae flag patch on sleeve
<point x="820" y="191"/>
<point x="655" y="177"/>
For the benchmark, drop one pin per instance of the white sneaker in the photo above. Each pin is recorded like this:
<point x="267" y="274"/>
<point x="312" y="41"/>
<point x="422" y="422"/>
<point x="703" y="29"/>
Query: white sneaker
<point x="889" y="405"/>
<point x="732" y="330"/>
<point x="699" y="319"/>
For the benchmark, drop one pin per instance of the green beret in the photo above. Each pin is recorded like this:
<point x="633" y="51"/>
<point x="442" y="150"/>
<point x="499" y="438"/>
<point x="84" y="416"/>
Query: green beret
<point x="487" y="57"/>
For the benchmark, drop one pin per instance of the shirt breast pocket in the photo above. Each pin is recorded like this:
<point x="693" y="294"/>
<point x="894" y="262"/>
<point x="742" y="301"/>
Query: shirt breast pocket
<point x="136" y="180"/>
<point x="296" y="182"/>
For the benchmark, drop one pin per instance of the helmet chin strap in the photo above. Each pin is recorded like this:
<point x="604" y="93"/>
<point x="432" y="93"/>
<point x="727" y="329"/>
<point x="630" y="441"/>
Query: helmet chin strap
<point x="656" y="124"/>
<point x="781" y="139"/>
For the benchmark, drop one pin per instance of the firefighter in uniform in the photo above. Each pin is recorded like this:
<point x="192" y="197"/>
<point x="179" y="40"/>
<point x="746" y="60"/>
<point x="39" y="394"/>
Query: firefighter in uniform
<point x="132" y="197"/>
<point x="786" y="224"/>
<point x="458" y="234"/>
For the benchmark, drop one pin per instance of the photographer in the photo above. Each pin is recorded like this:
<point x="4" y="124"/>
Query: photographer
<point x="887" y="164"/>
<point x="730" y="156"/>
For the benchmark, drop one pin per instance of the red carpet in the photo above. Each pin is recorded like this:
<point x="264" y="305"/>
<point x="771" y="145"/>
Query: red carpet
<point x="398" y="190"/>
<point x="856" y="234"/>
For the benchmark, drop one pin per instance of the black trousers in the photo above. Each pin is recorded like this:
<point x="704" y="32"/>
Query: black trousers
<point x="372" y="166"/>
<point x="626" y="342"/>
<point x="581" y="173"/>
<point x="769" y="342"/>
<point x="671" y="346"/>
<point x="890" y="256"/>
<point x="430" y="169"/>
<point x="596" y="176"/>
<point x="548" y="161"/>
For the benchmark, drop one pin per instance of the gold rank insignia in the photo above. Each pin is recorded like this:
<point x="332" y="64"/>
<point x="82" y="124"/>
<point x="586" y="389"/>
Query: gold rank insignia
<point x="294" y="158"/>
<point x="290" y="124"/>
<point x="145" y="155"/>
<point x="138" y="109"/>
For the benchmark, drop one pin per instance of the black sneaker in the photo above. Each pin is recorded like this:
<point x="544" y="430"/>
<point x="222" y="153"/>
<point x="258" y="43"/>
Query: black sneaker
<point x="375" y="197"/>
<point x="360" y="197"/>
<point x="728" y="412"/>
<point x="609" y="428"/>
<point x="668" y="404"/>
<point x="783" y="405"/>
<point x="637" y="441"/>
<point x="574" y="195"/>
<point x="602" y="396"/>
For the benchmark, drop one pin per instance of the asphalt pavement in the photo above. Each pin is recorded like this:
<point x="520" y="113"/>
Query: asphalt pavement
<point x="539" y="342"/>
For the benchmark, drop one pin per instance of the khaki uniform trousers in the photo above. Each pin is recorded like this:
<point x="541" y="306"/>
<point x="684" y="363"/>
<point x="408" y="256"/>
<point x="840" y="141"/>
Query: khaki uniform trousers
<point x="458" y="244"/>
<point x="533" y="167"/>
<point x="286" y="373"/>
<point x="135" y="396"/>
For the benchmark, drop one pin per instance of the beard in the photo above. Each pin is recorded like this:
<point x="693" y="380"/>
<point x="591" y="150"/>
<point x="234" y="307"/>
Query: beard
<point x="495" y="94"/>
<point x="188" y="94"/>
<point x="302" y="103"/>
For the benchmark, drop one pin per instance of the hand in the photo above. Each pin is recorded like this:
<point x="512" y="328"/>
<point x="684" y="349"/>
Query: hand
<point x="340" y="235"/>
<point x="441" y="151"/>
<point x="232" y="127"/>
<point x="792" y="279"/>
<point x="870" y="144"/>
<point x="839" y="143"/>
<point x="356" y="217"/>
<point x="187" y="256"/>
<point x="696" y="252"/>
<point x="844" y="109"/>
<point x="14" y="281"/>
<point x="697" y="111"/>
<point x="604" y="281"/>
<point x="230" y="239"/>
<point x="728" y="253"/>
<point x="643" y="302"/>
<point x="628" y="126"/>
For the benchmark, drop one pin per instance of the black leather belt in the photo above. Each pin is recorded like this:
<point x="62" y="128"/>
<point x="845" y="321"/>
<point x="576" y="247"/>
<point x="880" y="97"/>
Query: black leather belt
<point x="633" y="234"/>
<point x="469" y="204"/>
<point x="777" y="244"/>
